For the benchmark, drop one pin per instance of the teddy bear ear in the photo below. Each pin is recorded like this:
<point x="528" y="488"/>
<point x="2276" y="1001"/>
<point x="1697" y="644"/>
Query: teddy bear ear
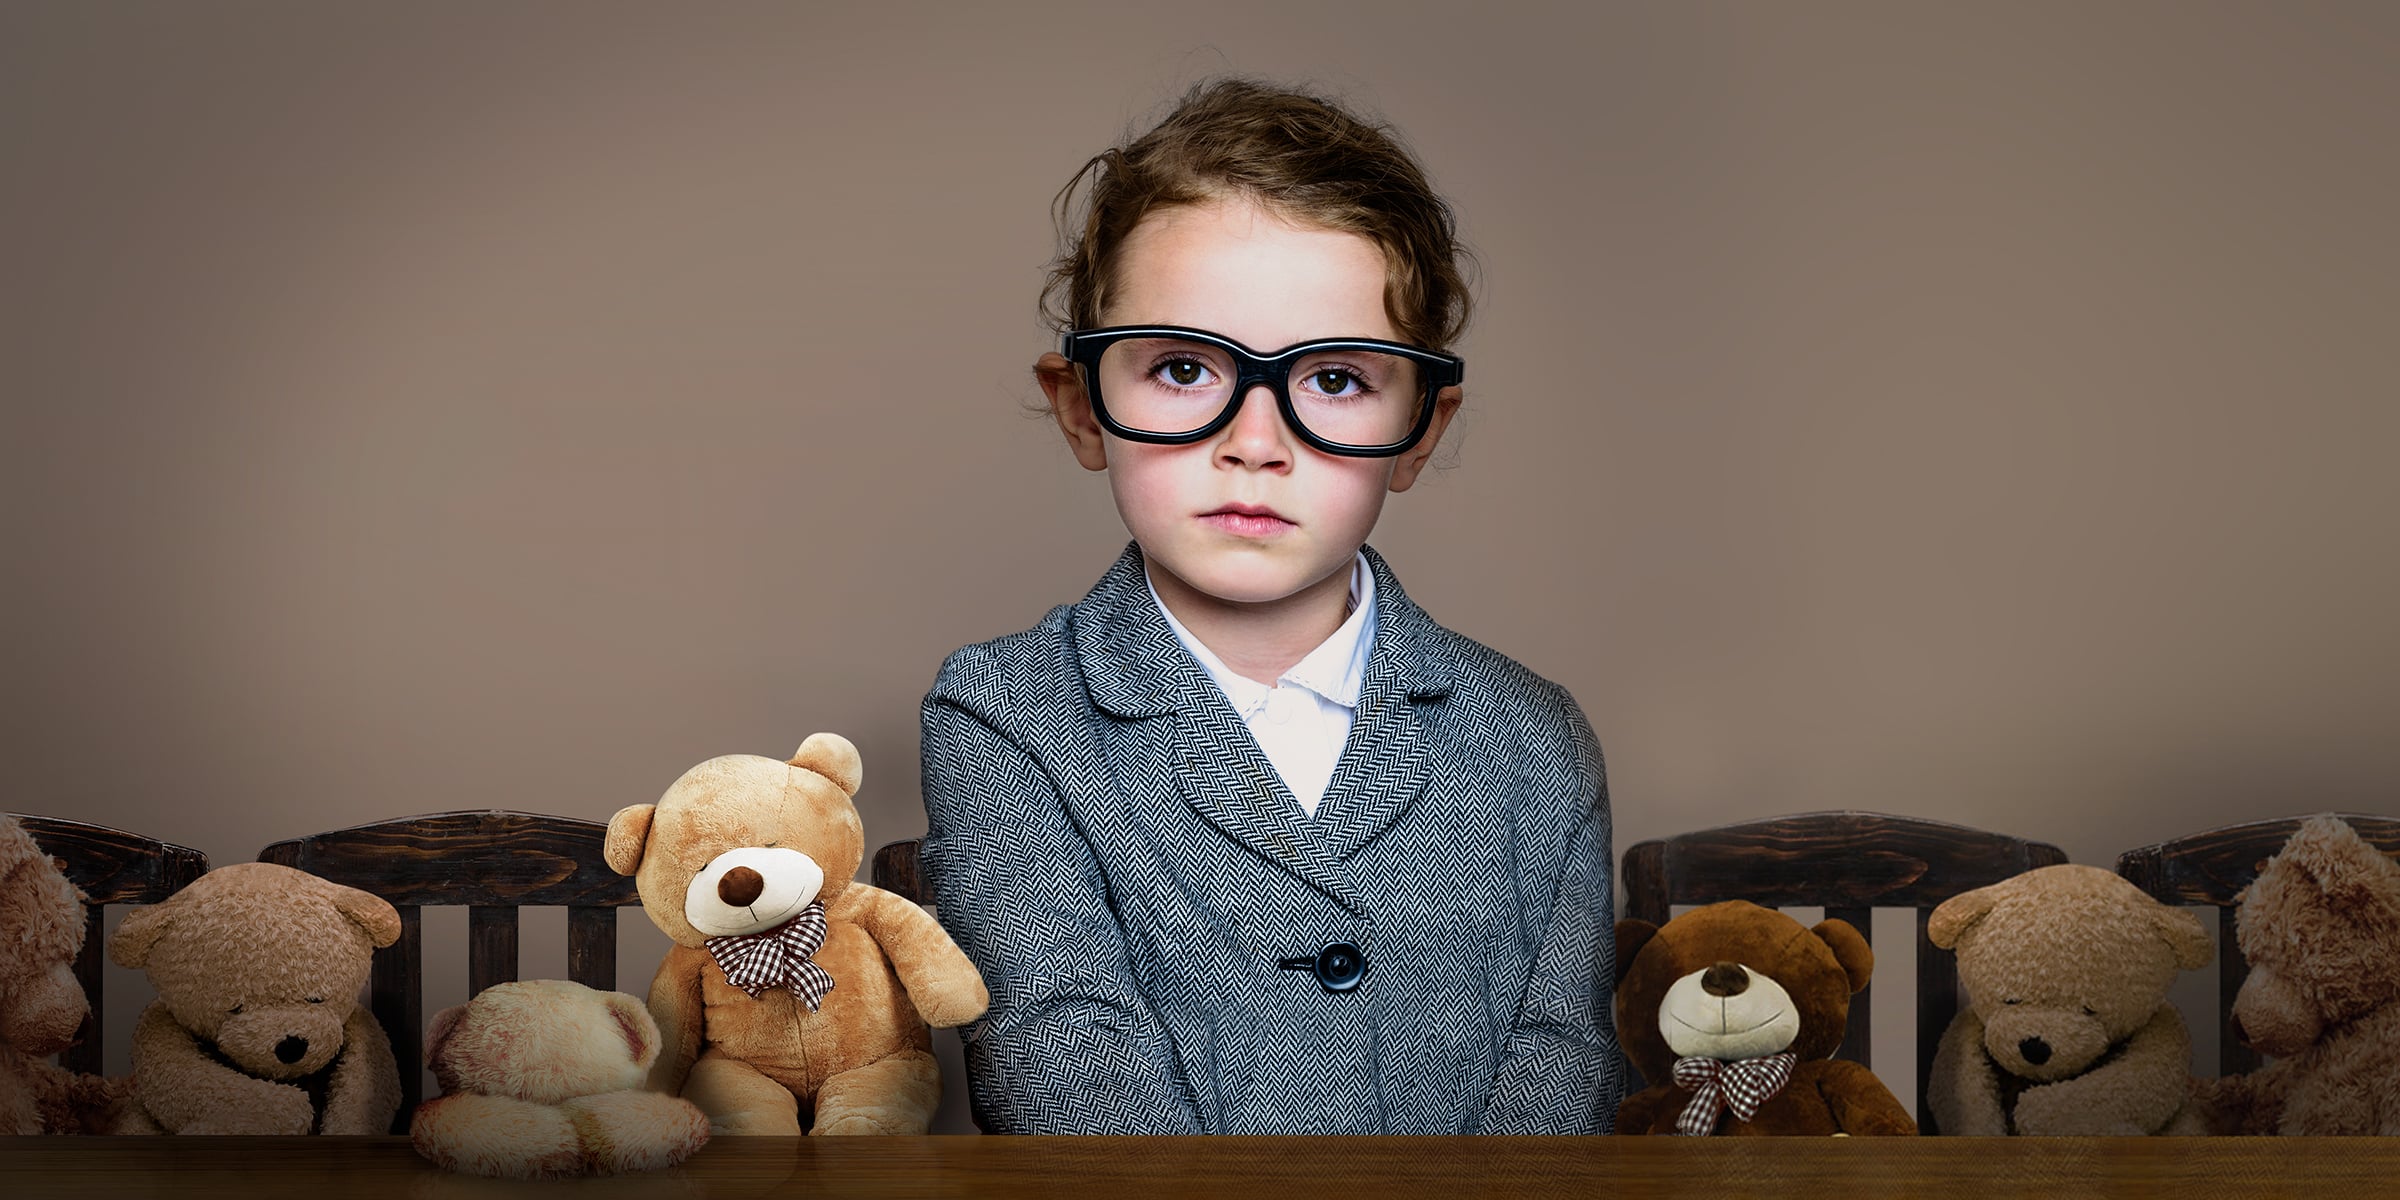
<point x="1850" y="949"/>
<point x="130" y="945"/>
<point x="1632" y="935"/>
<point x="634" y="1021"/>
<point x="438" y="1033"/>
<point x="2185" y="935"/>
<point x="369" y="911"/>
<point x="1953" y="917"/>
<point x="628" y="833"/>
<point x="832" y="756"/>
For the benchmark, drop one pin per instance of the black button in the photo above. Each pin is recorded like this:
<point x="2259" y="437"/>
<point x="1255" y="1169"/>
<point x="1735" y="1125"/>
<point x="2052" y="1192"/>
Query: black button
<point x="1340" y="966"/>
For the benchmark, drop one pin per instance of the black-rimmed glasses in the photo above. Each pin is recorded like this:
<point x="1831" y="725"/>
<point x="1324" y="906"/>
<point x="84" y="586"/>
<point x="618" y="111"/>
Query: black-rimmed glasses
<point x="1169" y="385"/>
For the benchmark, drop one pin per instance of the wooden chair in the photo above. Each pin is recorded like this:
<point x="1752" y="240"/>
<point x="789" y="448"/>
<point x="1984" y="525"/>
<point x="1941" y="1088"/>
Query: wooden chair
<point x="112" y="866"/>
<point x="2212" y="867"/>
<point x="1848" y="863"/>
<point x="492" y="862"/>
<point x="896" y="872"/>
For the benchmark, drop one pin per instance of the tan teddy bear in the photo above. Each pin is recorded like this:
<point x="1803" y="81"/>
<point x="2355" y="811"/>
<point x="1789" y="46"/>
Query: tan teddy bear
<point x="792" y="996"/>
<point x="542" y="1079"/>
<point x="42" y="1006"/>
<point x="257" y="1027"/>
<point x="2067" y="1029"/>
<point x="2320" y="927"/>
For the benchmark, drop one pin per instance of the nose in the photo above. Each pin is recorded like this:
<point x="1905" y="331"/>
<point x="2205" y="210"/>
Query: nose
<point x="2035" y="1050"/>
<point x="740" y="886"/>
<point x="292" y="1049"/>
<point x="1725" y="979"/>
<point x="1256" y="437"/>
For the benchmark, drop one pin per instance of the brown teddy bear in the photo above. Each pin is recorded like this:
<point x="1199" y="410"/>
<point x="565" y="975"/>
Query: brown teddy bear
<point x="2320" y="927"/>
<point x="42" y="1006"/>
<point x="2067" y="1028"/>
<point x="1736" y="1010"/>
<point x="257" y="1027"/>
<point x="542" y="1079"/>
<point x="792" y="995"/>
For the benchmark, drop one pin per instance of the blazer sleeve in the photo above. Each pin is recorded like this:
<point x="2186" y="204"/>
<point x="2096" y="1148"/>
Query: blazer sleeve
<point x="1070" y="1044"/>
<point x="1561" y="1072"/>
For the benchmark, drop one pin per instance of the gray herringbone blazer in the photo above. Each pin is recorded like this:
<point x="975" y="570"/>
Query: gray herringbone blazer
<point x="1114" y="852"/>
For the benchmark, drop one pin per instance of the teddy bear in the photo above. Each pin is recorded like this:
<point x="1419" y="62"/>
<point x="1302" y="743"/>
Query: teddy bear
<point x="257" y="1027"/>
<point x="2067" y="1029"/>
<point x="1735" y="1011"/>
<point x="42" y="1005"/>
<point x="2320" y="928"/>
<point x="792" y="997"/>
<point x="542" y="1079"/>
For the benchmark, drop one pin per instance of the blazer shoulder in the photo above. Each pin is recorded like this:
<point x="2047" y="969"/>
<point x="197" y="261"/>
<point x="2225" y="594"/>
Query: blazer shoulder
<point x="1009" y="674"/>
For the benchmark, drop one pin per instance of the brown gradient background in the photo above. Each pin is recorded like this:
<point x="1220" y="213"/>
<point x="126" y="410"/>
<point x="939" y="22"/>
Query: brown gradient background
<point x="1975" y="412"/>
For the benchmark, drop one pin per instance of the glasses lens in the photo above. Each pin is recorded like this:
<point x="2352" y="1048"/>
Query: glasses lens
<point x="1173" y="386"/>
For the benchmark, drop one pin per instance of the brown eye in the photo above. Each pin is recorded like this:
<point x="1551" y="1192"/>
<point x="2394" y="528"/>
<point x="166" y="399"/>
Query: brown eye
<point x="1183" y="374"/>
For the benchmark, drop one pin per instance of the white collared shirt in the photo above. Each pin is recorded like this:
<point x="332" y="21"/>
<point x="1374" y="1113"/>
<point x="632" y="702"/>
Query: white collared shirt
<point x="1303" y="721"/>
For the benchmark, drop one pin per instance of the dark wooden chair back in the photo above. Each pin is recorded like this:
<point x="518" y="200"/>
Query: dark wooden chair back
<point x="1849" y="864"/>
<point x="896" y="872"/>
<point x="2212" y="867"/>
<point x="111" y="866"/>
<point x="493" y="863"/>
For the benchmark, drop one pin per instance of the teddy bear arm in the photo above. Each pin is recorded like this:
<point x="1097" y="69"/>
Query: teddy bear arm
<point x="183" y="1090"/>
<point x="1639" y="1114"/>
<point x="676" y="1007"/>
<point x="1963" y="1088"/>
<point x="1860" y="1103"/>
<point x="2138" y="1093"/>
<point x="364" y="1094"/>
<point x="941" y="981"/>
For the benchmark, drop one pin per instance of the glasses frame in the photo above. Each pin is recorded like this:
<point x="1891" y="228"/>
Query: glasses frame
<point x="1083" y="347"/>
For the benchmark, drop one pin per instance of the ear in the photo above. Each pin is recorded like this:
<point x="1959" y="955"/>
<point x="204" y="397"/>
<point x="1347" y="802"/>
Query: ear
<point x="1954" y="916"/>
<point x="832" y="756"/>
<point x="1411" y="464"/>
<point x="637" y="1026"/>
<point x="1632" y="935"/>
<point x="2185" y="935"/>
<point x="1850" y="949"/>
<point x="369" y="911"/>
<point x="141" y="929"/>
<point x="1071" y="407"/>
<point x="628" y="833"/>
<point x="438" y="1034"/>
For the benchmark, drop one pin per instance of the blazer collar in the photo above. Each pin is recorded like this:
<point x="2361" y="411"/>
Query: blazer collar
<point x="1136" y="668"/>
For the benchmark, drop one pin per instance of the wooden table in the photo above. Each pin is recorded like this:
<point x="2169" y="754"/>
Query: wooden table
<point x="1249" y="1168"/>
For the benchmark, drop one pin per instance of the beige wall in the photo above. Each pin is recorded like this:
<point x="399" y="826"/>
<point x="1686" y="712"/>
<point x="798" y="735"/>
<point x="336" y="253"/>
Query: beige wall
<point x="1977" y="412"/>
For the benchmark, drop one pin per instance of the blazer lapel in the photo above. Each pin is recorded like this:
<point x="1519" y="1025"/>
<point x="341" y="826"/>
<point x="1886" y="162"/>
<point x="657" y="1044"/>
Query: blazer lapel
<point x="1385" y="765"/>
<point x="1136" y="670"/>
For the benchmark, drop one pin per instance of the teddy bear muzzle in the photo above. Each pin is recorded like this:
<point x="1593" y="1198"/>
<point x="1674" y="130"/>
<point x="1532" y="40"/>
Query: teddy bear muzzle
<point x="1727" y="1011"/>
<point x="283" y="1044"/>
<point x="751" y="889"/>
<point x="2045" y="1044"/>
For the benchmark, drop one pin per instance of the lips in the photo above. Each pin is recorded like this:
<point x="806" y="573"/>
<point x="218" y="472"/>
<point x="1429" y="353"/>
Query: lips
<point x="1247" y="520"/>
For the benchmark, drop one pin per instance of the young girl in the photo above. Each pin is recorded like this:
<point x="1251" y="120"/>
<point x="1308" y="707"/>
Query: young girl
<point x="1244" y="842"/>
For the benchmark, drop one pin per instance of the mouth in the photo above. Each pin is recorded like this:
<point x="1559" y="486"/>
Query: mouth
<point x="1678" y="1019"/>
<point x="1247" y="520"/>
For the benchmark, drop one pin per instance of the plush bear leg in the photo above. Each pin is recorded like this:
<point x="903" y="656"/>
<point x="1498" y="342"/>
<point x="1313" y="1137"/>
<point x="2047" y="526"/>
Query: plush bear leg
<point x="892" y="1095"/>
<point x="739" y="1100"/>
<point x="496" y="1135"/>
<point x="635" y="1130"/>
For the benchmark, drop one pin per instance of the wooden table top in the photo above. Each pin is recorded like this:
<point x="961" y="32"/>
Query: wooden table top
<point x="1152" y="1168"/>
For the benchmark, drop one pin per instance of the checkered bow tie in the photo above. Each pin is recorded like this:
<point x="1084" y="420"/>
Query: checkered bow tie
<point x="1741" y="1085"/>
<point x="755" y="962"/>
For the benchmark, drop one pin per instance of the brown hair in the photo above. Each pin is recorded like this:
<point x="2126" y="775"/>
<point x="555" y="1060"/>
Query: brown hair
<point x="1304" y="156"/>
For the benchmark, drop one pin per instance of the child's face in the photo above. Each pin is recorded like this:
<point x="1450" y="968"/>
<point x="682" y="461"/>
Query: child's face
<point x="1250" y="515"/>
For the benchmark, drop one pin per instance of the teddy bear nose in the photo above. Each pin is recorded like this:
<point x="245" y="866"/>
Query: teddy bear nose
<point x="2035" y="1050"/>
<point x="740" y="886"/>
<point x="292" y="1049"/>
<point x="1725" y="979"/>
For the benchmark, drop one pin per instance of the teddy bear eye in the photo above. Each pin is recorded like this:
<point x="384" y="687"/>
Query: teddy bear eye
<point x="316" y="999"/>
<point x="2089" y="1011"/>
<point x="770" y="844"/>
<point x="235" y="1011"/>
<point x="2012" y="1000"/>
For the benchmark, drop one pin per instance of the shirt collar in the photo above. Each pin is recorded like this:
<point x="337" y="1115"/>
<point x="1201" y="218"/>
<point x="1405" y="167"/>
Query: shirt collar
<point x="1334" y="670"/>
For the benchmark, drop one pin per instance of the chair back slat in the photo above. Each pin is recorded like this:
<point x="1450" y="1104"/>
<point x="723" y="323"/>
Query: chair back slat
<point x="896" y="871"/>
<point x="109" y="866"/>
<point x="491" y="862"/>
<point x="1849" y="864"/>
<point x="2213" y="867"/>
